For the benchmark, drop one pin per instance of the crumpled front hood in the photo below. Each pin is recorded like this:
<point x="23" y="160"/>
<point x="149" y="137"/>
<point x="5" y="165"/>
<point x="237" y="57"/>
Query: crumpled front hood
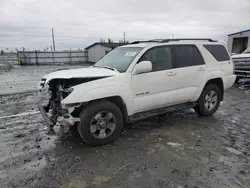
<point x="90" y="72"/>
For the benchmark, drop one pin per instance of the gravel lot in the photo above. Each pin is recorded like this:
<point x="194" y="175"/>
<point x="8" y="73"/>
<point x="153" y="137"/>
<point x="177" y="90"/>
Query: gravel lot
<point x="181" y="150"/>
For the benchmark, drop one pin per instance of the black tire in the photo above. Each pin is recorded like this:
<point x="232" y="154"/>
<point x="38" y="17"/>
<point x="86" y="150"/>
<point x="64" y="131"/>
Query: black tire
<point x="200" y="108"/>
<point x="89" y="112"/>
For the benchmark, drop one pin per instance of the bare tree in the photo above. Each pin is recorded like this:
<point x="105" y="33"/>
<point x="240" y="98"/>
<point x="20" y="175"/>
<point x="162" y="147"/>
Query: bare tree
<point x="102" y="40"/>
<point x="110" y="40"/>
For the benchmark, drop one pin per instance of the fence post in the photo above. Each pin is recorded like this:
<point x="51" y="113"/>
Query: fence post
<point x="18" y="59"/>
<point x="53" y="57"/>
<point x="70" y="56"/>
<point x="36" y="58"/>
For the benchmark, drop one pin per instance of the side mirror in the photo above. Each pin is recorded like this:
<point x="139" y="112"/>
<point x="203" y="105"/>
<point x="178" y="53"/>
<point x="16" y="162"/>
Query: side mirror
<point x="143" y="67"/>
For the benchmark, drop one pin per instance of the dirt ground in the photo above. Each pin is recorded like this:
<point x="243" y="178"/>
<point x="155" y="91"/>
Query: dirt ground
<point x="181" y="150"/>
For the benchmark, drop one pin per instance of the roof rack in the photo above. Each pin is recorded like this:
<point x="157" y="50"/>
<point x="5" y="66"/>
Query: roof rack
<point x="172" y="40"/>
<point x="144" y="41"/>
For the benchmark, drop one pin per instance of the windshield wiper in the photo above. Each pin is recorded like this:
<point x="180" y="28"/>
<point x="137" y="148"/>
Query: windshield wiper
<point x="111" y="68"/>
<point x="106" y="67"/>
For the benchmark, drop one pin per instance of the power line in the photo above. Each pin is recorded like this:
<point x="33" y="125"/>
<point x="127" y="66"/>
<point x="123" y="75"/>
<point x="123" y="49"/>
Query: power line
<point x="15" y="35"/>
<point x="60" y="36"/>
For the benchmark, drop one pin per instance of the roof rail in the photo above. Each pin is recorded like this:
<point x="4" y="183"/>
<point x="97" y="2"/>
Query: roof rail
<point x="170" y="40"/>
<point x="144" y="41"/>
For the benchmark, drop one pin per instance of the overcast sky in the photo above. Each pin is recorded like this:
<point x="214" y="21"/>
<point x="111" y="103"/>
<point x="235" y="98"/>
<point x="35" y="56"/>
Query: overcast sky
<point x="78" y="23"/>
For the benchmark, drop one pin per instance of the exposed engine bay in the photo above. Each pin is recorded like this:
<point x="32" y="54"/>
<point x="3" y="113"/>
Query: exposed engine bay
<point x="58" y="90"/>
<point x="58" y="85"/>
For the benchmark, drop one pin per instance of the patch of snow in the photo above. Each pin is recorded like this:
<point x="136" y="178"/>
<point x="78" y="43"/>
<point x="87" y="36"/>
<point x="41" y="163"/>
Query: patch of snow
<point x="21" y="114"/>
<point x="179" y="186"/>
<point x="177" y="145"/>
<point x="232" y="150"/>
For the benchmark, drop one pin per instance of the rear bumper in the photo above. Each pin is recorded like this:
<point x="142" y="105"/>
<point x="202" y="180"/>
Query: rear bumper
<point x="45" y="116"/>
<point x="229" y="81"/>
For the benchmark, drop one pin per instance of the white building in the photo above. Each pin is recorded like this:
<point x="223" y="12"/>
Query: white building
<point x="238" y="42"/>
<point x="97" y="50"/>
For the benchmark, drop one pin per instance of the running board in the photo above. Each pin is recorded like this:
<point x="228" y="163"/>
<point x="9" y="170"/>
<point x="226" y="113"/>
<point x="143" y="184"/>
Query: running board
<point x="152" y="113"/>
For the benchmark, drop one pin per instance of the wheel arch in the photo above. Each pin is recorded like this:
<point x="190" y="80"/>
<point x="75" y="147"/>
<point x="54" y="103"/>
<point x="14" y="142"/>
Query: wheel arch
<point x="219" y="83"/>
<point x="117" y="100"/>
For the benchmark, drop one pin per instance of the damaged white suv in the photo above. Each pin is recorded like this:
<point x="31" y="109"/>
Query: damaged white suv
<point x="138" y="81"/>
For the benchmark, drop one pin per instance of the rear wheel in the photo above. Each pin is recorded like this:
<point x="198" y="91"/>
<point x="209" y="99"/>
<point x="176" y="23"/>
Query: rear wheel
<point x="101" y="123"/>
<point x="209" y="100"/>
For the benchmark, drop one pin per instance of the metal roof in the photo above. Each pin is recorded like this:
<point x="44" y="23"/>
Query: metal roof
<point x="243" y="31"/>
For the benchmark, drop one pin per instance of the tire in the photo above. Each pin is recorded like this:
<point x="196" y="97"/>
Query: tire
<point x="88" y="116"/>
<point x="201" y="108"/>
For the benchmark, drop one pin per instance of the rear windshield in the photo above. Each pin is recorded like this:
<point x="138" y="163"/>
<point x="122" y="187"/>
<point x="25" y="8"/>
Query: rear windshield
<point x="218" y="51"/>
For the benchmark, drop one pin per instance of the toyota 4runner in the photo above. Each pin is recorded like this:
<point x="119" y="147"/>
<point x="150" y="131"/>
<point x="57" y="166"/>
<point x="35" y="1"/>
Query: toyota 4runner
<point x="138" y="81"/>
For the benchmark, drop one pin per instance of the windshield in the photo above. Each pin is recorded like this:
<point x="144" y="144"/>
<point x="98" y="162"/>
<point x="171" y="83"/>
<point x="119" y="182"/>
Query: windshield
<point x="247" y="51"/>
<point x="119" y="58"/>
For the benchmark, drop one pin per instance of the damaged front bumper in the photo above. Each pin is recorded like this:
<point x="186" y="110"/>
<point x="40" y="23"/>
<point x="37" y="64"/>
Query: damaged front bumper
<point x="45" y="116"/>
<point x="54" y="112"/>
<point x="66" y="120"/>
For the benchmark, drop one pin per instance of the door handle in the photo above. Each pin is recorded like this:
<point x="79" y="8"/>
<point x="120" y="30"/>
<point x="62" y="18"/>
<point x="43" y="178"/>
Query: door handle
<point x="201" y="69"/>
<point x="171" y="73"/>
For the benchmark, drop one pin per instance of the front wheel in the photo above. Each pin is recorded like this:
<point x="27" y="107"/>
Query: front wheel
<point x="101" y="123"/>
<point x="209" y="100"/>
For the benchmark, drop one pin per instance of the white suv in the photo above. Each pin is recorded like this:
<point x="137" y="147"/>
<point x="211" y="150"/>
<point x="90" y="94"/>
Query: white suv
<point x="138" y="81"/>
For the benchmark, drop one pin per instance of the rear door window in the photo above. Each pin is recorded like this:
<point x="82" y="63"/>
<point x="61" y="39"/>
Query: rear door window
<point x="187" y="55"/>
<point x="218" y="51"/>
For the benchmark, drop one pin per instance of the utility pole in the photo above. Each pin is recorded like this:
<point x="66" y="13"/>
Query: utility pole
<point x="124" y="37"/>
<point x="53" y="39"/>
<point x="51" y="48"/>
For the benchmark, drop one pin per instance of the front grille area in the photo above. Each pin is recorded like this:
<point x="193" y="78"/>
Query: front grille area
<point x="241" y="63"/>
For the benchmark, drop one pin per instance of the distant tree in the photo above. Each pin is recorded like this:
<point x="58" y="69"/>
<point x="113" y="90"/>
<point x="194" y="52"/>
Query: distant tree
<point x="102" y="40"/>
<point x="110" y="40"/>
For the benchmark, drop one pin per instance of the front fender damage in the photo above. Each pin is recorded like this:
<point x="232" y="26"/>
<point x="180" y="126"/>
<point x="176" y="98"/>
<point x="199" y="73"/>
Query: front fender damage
<point x="56" y="113"/>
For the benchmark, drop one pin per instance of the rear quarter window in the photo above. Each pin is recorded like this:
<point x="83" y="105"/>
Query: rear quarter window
<point x="218" y="51"/>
